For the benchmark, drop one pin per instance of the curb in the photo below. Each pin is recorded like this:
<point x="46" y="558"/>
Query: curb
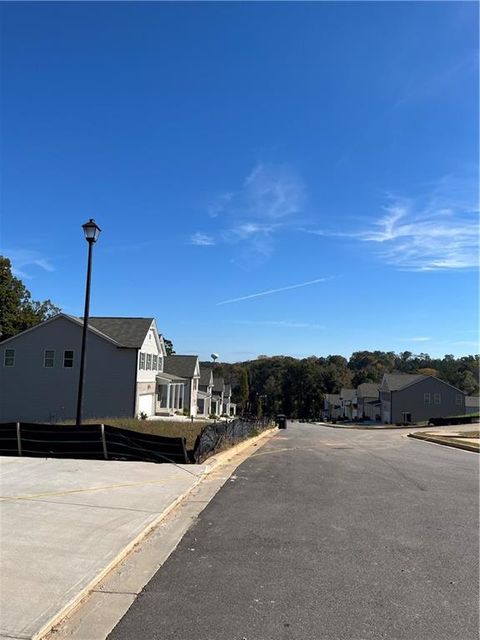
<point x="225" y="456"/>
<point x="447" y="443"/>
<point x="214" y="463"/>
<point x="75" y="601"/>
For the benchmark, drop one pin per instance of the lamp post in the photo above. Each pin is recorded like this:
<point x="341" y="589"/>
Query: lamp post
<point x="91" y="231"/>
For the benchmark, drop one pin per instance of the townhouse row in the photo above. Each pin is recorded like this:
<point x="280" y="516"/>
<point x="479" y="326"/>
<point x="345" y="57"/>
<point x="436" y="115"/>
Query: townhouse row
<point x="400" y="398"/>
<point x="128" y="373"/>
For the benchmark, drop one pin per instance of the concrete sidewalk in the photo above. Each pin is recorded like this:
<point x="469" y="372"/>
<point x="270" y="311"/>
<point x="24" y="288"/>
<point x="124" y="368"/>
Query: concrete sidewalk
<point x="453" y="436"/>
<point x="65" y="523"/>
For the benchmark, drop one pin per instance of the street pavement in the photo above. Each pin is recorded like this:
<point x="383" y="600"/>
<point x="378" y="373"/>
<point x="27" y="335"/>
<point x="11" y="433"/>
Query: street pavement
<point x="326" y="534"/>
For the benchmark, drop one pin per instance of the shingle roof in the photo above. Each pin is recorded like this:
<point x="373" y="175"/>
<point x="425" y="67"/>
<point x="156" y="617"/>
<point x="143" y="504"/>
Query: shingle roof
<point x="170" y="377"/>
<point x="397" y="381"/>
<point x="218" y="385"/>
<point x="367" y="390"/>
<point x="332" y="398"/>
<point x="183" y="366"/>
<point x="128" y="332"/>
<point x="205" y="374"/>
<point x="348" y="394"/>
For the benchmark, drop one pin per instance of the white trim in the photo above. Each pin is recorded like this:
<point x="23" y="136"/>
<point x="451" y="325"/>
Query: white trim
<point x="45" y="357"/>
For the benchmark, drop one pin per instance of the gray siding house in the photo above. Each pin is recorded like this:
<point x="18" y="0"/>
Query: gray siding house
<point x="348" y="403"/>
<point x="217" y="396"/>
<point x="472" y="404"/>
<point x="188" y="369"/>
<point x="368" y="403"/>
<point x="229" y="407"/>
<point x="331" y="406"/>
<point x="409" y="398"/>
<point x="39" y="369"/>
<point x="205" y="389"/>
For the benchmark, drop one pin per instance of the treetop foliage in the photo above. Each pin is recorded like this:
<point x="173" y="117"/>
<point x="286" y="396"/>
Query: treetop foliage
<point x="18" y="311"/>
<point x="297" y="387"/>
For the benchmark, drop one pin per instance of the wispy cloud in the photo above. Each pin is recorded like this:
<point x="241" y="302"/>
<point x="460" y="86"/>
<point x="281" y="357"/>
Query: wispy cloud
<point x="467" y="343"/>
<point x="267" y="202"/>
<point x="417" y="339"/>
<point x="202" y="239"/>
<point x="426" y="239"/>
<point x="219" y="203"/>
<point x="23" y="259"/>
<point x="272" y="291"/>
<point x="431" y="232"/>
<point x="273" y="192"/>
<point x="288" y="324"/>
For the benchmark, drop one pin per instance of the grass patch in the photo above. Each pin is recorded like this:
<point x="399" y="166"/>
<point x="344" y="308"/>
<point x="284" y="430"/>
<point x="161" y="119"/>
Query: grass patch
<point x="167" y="428"/>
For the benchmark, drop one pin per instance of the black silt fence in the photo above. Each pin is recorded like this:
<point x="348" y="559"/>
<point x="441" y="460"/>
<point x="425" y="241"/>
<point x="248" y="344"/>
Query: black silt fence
<point x="220" y="435"/>
<point x="93" y="441"/>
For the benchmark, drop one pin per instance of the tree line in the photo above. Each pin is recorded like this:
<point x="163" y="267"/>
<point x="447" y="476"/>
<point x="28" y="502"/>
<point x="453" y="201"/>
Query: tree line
<point x="282" y="384"/>
<point x="269" y="385"/>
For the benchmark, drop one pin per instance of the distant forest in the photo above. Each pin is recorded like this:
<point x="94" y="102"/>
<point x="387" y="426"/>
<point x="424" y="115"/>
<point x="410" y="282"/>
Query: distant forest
<point x="281" y="384"/>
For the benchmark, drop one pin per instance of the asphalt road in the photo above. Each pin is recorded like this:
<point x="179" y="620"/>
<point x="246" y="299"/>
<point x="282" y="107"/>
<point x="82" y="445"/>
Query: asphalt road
<point x="326" y="534"/>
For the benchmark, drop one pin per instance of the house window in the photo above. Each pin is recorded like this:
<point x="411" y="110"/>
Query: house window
<point x="458" y="399"/>
<point x="154" y="363"/>
<point x="9" y="358"/>
<point x="149" y="361"/>
<point x="437" y="398"/>
<point x="48" y="358"/>
<point x="195" y="384"/>
<point x="68" y="359"/>
<point x="142" y="361"/>
<point x="426" y="398"/>
<point x="160" y="363"/>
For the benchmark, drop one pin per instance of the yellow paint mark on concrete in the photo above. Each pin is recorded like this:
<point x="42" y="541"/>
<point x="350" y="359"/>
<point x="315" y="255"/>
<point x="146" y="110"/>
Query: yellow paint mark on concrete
<point x="88" y="490"/>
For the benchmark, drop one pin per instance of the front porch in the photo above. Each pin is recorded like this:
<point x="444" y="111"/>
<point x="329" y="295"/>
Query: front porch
<point x="170" y="394"/>
<point x="204" y="401"/>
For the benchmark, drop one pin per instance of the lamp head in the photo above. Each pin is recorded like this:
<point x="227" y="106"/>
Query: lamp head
<point x="91" y="231"/>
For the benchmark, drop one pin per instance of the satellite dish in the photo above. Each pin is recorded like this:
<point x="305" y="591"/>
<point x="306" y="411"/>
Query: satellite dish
<point x="214" y="356"/>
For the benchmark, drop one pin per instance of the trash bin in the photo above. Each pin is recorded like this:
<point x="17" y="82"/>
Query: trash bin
<point x="282" y="421"/>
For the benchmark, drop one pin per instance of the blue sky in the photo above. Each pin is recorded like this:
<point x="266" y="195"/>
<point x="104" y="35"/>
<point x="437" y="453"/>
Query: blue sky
<point x="234" y="149"/>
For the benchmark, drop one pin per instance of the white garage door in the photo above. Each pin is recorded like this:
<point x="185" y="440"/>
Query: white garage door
<point x="145" y="404"/>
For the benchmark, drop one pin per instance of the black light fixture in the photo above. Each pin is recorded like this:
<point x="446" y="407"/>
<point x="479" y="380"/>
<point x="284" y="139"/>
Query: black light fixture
<point x="91" y="231"/>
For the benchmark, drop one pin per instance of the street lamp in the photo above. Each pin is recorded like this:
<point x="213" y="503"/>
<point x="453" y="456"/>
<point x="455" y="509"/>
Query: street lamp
<point x="91" y="231"/>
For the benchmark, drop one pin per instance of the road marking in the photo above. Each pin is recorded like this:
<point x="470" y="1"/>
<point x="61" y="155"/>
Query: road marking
<point x="88" y="490"/>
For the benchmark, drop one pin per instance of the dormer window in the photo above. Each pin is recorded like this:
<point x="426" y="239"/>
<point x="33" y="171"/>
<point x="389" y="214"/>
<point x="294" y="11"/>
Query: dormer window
<point x="141" y="364"/>
<point x="154" y="364"/>
<point x="149" y="361"/>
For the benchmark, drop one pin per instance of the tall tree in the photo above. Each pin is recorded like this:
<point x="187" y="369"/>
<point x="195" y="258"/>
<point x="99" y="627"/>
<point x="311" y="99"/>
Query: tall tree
<point x="243" y="390"/>
<point x="17" y="309"/>
<point x="169" y="347"/>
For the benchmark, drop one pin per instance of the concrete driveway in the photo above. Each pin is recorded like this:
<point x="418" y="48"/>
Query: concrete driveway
<point x="65" y="523"/>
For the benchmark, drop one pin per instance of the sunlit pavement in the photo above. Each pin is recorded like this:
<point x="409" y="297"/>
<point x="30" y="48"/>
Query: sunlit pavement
<point x="326" y="533"/>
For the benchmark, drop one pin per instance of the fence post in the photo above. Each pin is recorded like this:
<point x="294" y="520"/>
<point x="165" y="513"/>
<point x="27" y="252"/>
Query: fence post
<point x="19" y="440"/>
<point x="104" y="442"/>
